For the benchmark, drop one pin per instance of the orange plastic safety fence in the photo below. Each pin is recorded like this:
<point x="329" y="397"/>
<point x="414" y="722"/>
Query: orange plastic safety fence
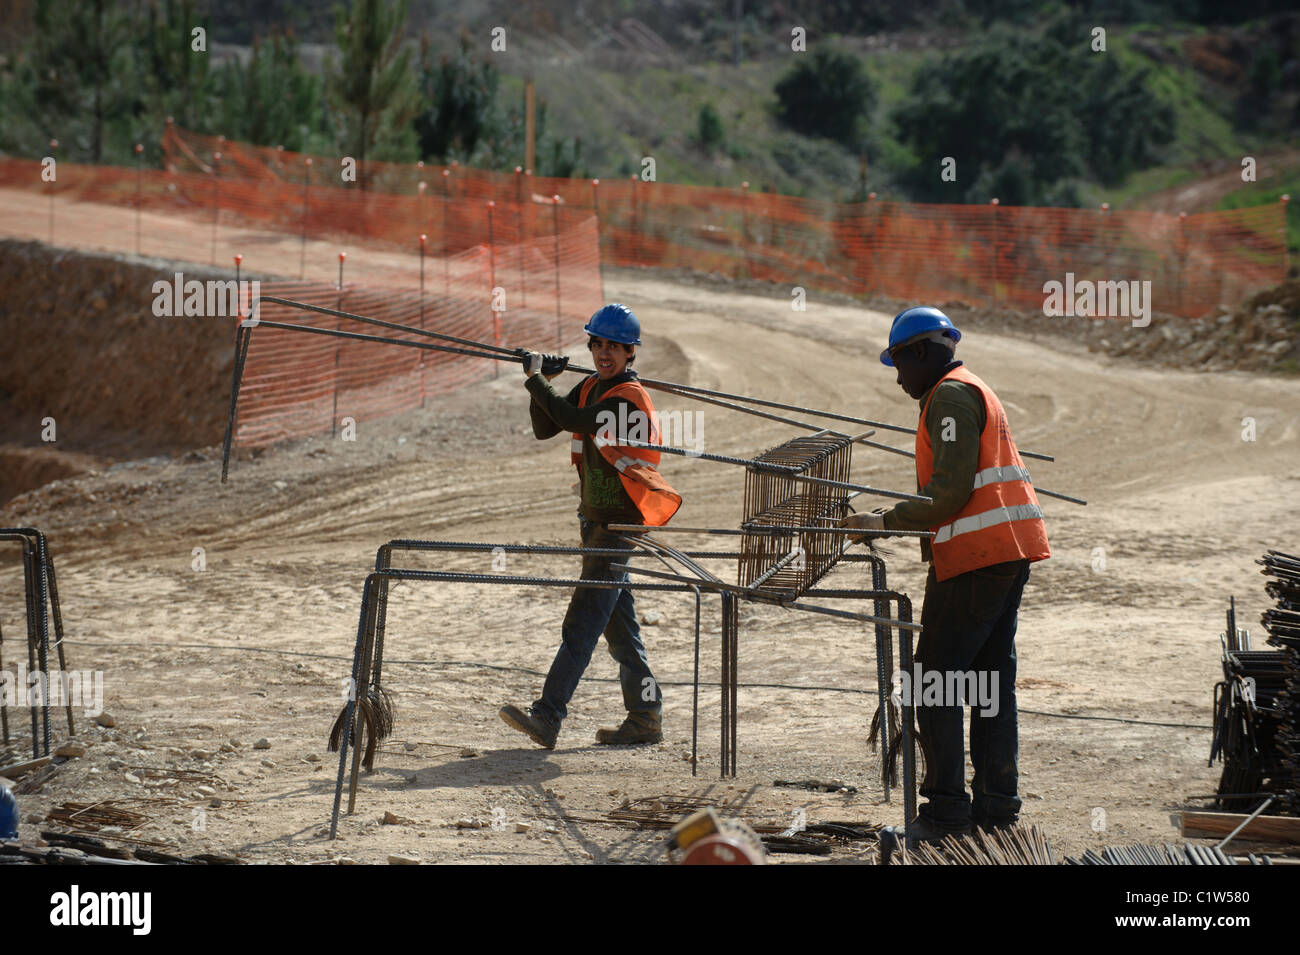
<point x="978" y="254"/>
<point x="528" y="275"/>
<point x="521" y="254"/>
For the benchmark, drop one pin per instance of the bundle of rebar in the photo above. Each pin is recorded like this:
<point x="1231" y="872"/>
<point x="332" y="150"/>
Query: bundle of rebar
<point x="1283" y="626"/>
<point x="1012" y="845"/>
<point x="1168" y="854"/>
<point x="781" y="500"/>
<point x="1257" y="703"/>
<point x="1245" y="728"/>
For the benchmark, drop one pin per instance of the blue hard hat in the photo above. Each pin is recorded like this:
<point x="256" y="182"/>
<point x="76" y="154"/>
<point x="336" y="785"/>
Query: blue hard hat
<point x="615" y="323"/>
<point x="8" y="814"/>
<point x="917" y="321"/>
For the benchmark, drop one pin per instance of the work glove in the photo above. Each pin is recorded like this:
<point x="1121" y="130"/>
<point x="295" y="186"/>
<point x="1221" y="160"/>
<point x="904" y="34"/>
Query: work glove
<point x="532" y="361"/>
<point x="873" y="521"/>
<point x="552" y="365"/>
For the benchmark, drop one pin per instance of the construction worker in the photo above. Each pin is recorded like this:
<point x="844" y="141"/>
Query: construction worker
<point x="988" y="528"/>
<point x="619" y="485"/>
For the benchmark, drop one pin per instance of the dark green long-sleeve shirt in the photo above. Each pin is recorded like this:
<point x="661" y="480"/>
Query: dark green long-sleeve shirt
<point x="604" y="499"/>
<point x="954" y="421"/>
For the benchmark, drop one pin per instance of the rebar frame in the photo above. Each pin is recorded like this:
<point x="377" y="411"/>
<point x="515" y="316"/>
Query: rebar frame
<point x="795" y="561"/>
<point x="41" y="596"/>
<point x="367" y="661"/>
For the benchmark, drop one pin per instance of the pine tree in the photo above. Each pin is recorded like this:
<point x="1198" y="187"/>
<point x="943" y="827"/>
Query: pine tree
<point x="373" y="86"/>
<point x="176" y="75"/>
<point x="273" y="100"/>
<point x="81" y="68"/>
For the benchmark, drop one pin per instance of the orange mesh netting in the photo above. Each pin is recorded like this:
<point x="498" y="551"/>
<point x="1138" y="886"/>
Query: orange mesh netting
<point x="540" y="242"/>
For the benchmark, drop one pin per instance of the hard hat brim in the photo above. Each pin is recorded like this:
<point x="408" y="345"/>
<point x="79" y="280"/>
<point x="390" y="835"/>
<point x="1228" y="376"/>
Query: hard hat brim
<point x="590" y="331"/>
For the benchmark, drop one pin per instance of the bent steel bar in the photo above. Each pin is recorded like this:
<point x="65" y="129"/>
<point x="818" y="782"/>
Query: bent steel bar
<point x="663" y="550"/>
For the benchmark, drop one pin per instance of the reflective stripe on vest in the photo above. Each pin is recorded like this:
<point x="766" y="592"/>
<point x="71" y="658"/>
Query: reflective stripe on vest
<point x="637" y="467"/>
<point x="996" y="475"/>
<point x="977" y="522"/>
<point x="625" y="462"/>
<point x="1001" y="520"/>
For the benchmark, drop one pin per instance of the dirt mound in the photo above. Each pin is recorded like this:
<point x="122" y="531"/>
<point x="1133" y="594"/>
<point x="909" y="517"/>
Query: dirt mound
<point x="24" y="468"/>
<point x="1260" y="334"/>
<point x="86" y="349"/>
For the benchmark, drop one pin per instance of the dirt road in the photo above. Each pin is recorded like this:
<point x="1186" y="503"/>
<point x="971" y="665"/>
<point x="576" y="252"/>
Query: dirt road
<point x="1120" y="625"/>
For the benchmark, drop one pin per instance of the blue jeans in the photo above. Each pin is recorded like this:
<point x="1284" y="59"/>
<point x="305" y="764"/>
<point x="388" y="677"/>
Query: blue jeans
<point x="593" y="612"/>
<point x="970" y="625"/>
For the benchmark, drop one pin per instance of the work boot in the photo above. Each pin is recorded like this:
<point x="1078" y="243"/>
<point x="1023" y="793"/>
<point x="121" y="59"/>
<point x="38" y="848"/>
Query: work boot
<point x="921" y="830"/>
<point x="637" y="728"/>
<point x="539" y="730"/>
<point x="994" y="825"/>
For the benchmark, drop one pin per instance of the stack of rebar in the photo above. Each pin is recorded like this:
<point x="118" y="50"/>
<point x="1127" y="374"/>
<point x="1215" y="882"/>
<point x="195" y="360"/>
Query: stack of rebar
<point x="1168" y="854"/>
<point x="1257" y="703"/>
<point x="1014" y="845"/>
<point x="1283" y="626"/>
<point x="1245" y="727"/>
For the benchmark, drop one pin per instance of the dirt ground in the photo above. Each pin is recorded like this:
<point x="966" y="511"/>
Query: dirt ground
<point x="1118" y="639"/>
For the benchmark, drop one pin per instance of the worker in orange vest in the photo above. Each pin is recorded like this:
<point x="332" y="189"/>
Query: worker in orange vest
<point x="988" y="529"/>
<point x="620" y="484"/>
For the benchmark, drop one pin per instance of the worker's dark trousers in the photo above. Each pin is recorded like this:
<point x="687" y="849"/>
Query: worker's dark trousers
<point x="970" y="625"/>
<point x="591" y="613"/>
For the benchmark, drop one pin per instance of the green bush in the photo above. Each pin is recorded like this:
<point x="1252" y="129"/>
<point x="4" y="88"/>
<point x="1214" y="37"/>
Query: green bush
<point x="708" y="128"/>
<point x="1021" y="113"/>
<point x="827" y="93"/>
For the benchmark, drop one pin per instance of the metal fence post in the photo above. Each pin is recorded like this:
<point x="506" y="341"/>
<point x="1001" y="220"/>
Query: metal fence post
<point x="423" y="239"/>
<point x="492" y="287"/>
<point x="139" y="175"/>
<point x="306" y="198"/>
<point x="994" y="204"/>
<point x="555" y="216"/>
<point x="216" y="201"/>
<point x="446" y="241"/>
<point x="600" y="259"/>
<point x="338" y="351"/>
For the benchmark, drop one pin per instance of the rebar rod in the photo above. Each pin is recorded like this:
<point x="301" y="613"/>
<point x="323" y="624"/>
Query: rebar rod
<point x="782" y="470"/>
<point x="773" y="529"/>
<point x="509" y="354"/>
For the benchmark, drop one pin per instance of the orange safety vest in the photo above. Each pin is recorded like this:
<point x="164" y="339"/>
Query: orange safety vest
<point x="638" y="468"/>
<point x="1001" y="520"/>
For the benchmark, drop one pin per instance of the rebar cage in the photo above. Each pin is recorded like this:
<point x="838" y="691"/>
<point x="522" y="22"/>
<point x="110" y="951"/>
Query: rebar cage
<point x="781" y="500"/>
